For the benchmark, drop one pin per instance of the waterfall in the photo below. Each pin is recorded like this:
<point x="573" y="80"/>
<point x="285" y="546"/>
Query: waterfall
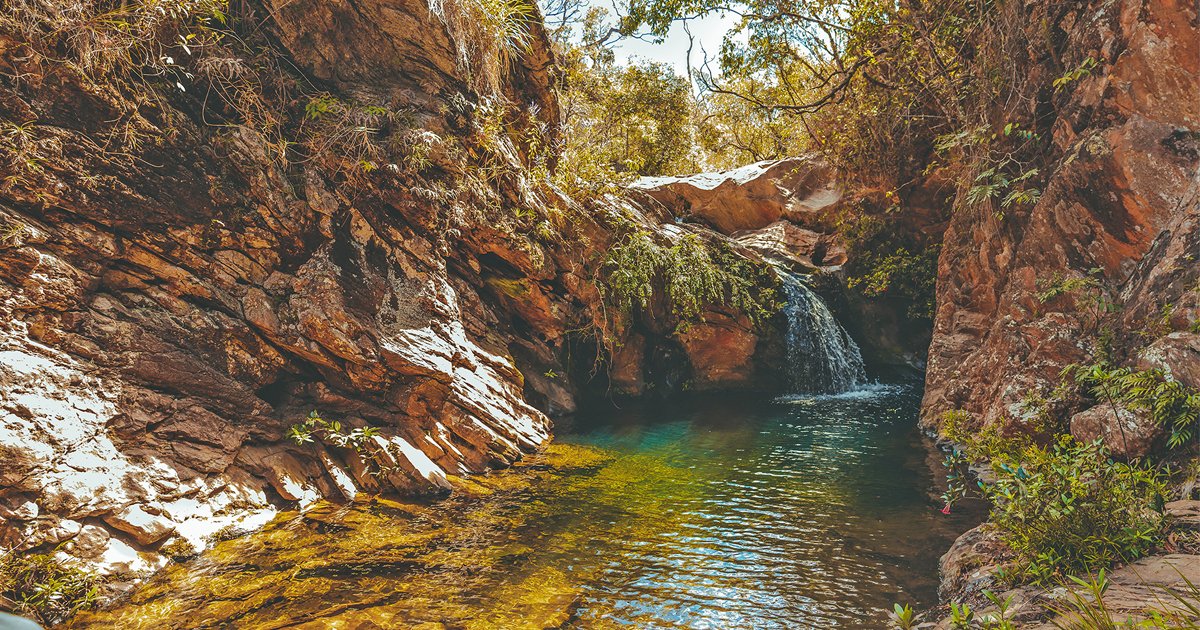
<point x="821" y="356"/>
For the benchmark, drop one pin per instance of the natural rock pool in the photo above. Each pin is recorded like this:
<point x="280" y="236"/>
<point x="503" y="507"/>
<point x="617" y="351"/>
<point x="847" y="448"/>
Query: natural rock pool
<point x="716" y="512"/>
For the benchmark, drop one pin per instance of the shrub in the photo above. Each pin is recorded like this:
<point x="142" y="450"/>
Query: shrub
<point x="1070" y="508"/>
<point x="689" y="275"/>
<point x="41" y="586"/>
<point x="884" y="263"/>
<point x="1171" y="404"/>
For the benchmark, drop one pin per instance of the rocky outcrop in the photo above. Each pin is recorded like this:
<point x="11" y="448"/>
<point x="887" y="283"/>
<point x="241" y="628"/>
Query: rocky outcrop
<point x="801" y="189"/>
<point x="1120" y="214"/>
<point x="795" y="212"/>
<point x="166" y="316"/>
<point x="1161" y="583"/>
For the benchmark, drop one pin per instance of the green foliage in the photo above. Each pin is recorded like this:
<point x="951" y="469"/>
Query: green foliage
<point x="1091" y="297"/>
<point x="621" y="122"/>
<point x="1084" y="69"/>
<point x="13" y="234"/>
<point x="1158" y="325"/>
<point x="963" y="617"/>
<point x="1003" y="175"/>
<point x="1172" y="405"/>
<point x="314" y="428"/>
<point x="688" y="275"/>
<point x="732" y="131"/>
<point x="1070" y="508"/>
<point x="41" y="586"/>
<point x="904" y="617"/>
<point x="885" y="266"/>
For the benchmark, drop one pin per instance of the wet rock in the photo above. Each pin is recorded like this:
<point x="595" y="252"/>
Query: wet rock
<point x="721" y="351"/>
<point x="627" y="374"/>
<point x="785" y="241"/>
<point x="1128" y="434"/>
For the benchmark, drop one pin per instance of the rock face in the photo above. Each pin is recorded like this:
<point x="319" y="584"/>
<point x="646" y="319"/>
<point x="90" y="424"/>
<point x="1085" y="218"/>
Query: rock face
<point x="164" y="319"/>
<point x="750" y="197"/>
<point x="1121" y="206"/>
<point x="802" y="248"/>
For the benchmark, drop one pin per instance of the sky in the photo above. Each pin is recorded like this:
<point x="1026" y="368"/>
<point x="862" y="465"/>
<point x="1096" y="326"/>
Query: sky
<point x="708" y="32"/>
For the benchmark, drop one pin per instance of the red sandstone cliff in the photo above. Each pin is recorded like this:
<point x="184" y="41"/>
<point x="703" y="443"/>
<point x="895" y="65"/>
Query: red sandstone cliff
<point x="1121" y="204"/>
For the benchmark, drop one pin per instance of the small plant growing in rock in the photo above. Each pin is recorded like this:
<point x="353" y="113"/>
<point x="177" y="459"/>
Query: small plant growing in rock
<point x="1091" y="297"/>
<point x="229" y="532"/>
<point x="13" y="234"/>
<point x="179" y="549"/>
<point x="41" y="586"/>
<point x="1084" y="69"/>
<point x="904" y="617"/>
<point x="330" y="432"/>
<point x="961" y="616"/>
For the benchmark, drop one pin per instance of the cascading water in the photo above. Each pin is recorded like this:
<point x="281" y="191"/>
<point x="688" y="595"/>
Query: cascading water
<point x="821" y="356"/>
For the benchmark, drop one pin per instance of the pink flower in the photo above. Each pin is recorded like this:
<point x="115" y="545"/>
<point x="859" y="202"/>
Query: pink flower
<point x="946" y="510"/>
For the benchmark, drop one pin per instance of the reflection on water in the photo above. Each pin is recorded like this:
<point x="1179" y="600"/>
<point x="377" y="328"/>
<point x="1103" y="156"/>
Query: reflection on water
<point x="813" y="512"/>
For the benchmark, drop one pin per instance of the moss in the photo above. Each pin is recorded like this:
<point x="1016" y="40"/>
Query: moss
<point x="516" y="289"/>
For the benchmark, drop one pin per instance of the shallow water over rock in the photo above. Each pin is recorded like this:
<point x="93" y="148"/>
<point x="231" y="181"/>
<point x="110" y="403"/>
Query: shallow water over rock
<point x="807" y="512"/>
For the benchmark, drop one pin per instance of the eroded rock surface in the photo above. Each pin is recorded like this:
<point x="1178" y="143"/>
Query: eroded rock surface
<point x="754" y="196"/>
<point x="1121" y="206"/>
<point x="165" y="319"/>
<point x="169" y="310"/>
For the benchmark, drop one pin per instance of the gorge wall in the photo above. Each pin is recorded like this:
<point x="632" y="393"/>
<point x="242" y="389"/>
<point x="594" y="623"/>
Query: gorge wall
<point x="1119" y="214"/>
<point x="172" y="306"/>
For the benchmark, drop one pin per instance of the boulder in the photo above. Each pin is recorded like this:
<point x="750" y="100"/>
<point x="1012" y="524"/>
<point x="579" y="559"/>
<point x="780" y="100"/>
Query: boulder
<point x="1128" y="434"/>
<point x="968" y="567"/>
<point x="802" y="189"/>
<point x="788" y="242"/>
<point x="1177" y="354"/>
<point x="145" y="526"/>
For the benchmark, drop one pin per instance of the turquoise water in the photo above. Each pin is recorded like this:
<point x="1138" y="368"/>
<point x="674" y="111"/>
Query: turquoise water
<point x="809" y="512"/>
<point x="714" y="512"/>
